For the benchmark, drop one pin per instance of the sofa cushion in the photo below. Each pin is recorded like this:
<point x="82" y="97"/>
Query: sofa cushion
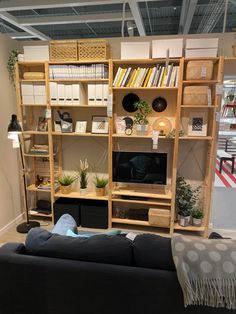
<point x="91" y="234"/>
<point x="99" y="248"/>
<point x="153" y="251"/>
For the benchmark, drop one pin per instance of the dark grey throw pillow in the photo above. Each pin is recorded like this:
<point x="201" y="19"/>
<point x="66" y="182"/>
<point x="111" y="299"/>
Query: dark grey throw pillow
<point x="98" y="248"/>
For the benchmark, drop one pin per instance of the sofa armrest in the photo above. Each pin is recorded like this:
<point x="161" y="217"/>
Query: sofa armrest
<point x="11" y="248"/>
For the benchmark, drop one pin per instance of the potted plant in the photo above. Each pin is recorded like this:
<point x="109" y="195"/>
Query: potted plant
<point x="197" y="216"/>
<point x="66" y="183"/>
<point x="12" y="59"/>
<point x="100" y="184"/>
<point x="83" y="173"/>
<point x="186" y="197"/>
<point x="140" y="118"/>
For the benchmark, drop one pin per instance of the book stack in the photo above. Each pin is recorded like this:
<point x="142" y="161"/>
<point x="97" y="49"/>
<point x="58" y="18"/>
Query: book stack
<point x="158" y="76"/>
<point x="83" y="71"/>
<point x="39" y="149"/>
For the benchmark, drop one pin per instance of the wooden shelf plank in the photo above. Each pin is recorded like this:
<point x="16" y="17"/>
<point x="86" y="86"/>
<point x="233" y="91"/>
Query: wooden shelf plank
<point x="78" y="106"/>
<point x="37" y="155"/>
<point x="139" y="136"/>
<point x="32" y="80"/>
<point x="35" y="213"/>
<point x="89" y="195"/>
<point x="80" y="80"/>
<point x="204" y="82"/>
<point x="131" y="222"/>
<point x="79" y="62"/>
<point x="188" y="228"/>
<point x="147" y="202"/>
<point x="33" y="188"/>
<point x="34" y="105"/>
<point x="144" y="61"/>
<point x="80" y="134"/>
<point x="35" y="132"/>
<point x="147" y="88"/>
<point x="201" y="138"/>
<point x="29" y="63"/>
<point x="197" y="106"/>
<point x="139" y="193"/>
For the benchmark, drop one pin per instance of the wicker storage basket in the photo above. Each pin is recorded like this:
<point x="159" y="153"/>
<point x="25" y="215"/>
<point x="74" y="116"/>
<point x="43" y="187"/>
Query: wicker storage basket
<point x="159" y="217"/>
<point x="93" y="50"/>
<point x="234" y="50"/>
<point x="63" y="50"/>
<point x="33" y="75"/>
<point x="197" y="96"/>
<point x="199" y="70"/>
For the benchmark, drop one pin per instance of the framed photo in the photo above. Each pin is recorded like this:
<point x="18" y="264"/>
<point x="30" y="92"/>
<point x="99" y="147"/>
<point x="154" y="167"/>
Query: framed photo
<point x="120" y="125"/>
<point x="80" y="126"/>
<point x="42" y="124"/>
<point x="100" y="124"/>
<point x="197" y="124"/>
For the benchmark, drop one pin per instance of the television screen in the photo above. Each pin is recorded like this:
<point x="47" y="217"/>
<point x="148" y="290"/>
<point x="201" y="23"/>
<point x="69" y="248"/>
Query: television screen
<point x="139" y="167"/>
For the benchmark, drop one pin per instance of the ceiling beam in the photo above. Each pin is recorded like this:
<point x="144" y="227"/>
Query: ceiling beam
<point x="233" y="1"/>
<point x="190" y="13"/>
<point x="183" y="15"/>
<point x="133" y="4"/>
<point x="12" y="20"/>
<point x="14" y="5"/>
<point x="74" y="19"/>
<point x="20" y="35"/>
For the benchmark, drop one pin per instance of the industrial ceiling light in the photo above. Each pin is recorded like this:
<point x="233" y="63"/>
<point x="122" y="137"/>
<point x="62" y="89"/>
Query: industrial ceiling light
<point x="130" y="28"/>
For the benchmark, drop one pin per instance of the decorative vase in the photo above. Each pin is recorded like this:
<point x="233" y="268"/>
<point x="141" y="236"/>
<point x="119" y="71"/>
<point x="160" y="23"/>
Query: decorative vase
<point x="197" y="222"/>
<point x="184" y="221"/>
<point x="100" y="191"/>
<point x="65" y="189"/>
<point x="141" y="129"/>
<point x="83" y="191"/>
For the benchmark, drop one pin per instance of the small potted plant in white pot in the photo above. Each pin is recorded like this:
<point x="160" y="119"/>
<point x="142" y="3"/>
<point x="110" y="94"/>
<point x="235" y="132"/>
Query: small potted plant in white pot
<point x="100" y="184"/>
<point x="140" y="118"/>
<point x="186" y="197"/>
<point x="197" y="216"/>
<point x="66" y="183"/>
<point x="83" y="174"/>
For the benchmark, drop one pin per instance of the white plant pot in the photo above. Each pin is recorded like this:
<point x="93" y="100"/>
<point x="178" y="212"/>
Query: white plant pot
<point x="184" y="221"/>
<point x="83" y="191"/>
<point x="141" y="129"/>
<point x="197" y="222"/>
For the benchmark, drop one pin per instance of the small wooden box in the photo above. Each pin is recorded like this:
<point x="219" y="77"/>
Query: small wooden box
<point x="63" y="50"/>
<point x="159" y="217"/>
<point x="93" y="50"/>
<point x="197" y="96"/>
<point x="33" y="75"/>
<point x="199" y="70"/>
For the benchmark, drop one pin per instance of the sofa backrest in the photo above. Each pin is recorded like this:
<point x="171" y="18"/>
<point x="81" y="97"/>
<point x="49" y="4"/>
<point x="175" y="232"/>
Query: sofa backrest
<point x="99" y="248"/>
<point x="153" y="251"/>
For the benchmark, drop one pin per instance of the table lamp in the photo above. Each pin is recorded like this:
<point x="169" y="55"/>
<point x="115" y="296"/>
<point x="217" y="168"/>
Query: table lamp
<point x="14" y="129"/>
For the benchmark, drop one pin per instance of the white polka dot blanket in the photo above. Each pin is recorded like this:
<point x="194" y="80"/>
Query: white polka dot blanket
<point x="206" y="270"/>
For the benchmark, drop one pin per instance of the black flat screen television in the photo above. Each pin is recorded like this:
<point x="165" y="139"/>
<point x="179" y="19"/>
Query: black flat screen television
<point x="139" y="167"/>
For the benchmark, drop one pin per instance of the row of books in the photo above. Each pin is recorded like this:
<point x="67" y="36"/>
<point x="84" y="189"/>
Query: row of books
<point x="39" y="149"/>
<point x="83" y="71"/>
<point x="158" y="76"/>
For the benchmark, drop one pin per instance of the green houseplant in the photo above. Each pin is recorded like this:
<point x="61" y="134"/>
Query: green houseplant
<point x="100" y="184"/>
<point x="83" y="173"/>
<point x="186" y="197"/>
<point x="66" y="183"/>
<point x="197" y="216"/>
<point x="140" y="118"/>
<point x="12" y="59"/>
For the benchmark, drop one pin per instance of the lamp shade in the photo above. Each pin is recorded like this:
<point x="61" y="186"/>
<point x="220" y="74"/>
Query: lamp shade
<point x="163" y="125"/>
<point x="14" y="126"/>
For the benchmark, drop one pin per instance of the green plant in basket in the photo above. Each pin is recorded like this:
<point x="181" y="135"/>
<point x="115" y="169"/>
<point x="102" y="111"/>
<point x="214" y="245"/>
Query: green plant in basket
<point x="67" y="180"/>
<point x="144" y="110"/>
<point x="100" y="182"/>
<point x="197" y="213"/>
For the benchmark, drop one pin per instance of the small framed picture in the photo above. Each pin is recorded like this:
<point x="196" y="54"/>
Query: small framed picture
<point x="100" y="124"/>
<point x="42" y="124"/>
<point x="197" y="125"/>
<point x="120" y="125"/>
<point x="80" y="126"/>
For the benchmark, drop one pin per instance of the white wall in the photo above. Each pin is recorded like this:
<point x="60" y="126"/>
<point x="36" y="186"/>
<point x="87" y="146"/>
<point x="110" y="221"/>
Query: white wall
<point x="10" y="203"/>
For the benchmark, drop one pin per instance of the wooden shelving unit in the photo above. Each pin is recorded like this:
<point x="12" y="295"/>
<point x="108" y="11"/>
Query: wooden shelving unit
<point x="131" y="195"/>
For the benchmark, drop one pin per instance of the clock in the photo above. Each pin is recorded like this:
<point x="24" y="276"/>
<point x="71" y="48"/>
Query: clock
<point x="128" y="131"/>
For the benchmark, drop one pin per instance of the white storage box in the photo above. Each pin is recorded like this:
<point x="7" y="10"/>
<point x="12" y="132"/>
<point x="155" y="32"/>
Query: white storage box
<point x="135" y="50"/>
<point x="190" y="53"/>
<point x="27" y="89"/>
<point x="39" y="89"/>
<point x="40" y="99"/>
<point x="160" y="47"/>
<point x="201" y="47"/>
<point x="27" y="99"/>
<point x="36" y="53"/>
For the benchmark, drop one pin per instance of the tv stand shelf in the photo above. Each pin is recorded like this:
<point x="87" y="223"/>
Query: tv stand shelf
<point x="138" y="193"/>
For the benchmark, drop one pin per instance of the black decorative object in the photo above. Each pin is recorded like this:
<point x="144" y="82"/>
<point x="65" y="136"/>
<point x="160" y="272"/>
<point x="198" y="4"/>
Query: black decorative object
<point x="159" y="104"/>
<point x="128" y="102"/>
<point x="129" y="122"/>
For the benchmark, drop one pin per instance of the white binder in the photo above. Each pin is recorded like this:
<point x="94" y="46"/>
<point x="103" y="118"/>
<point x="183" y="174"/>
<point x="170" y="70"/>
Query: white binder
<point x="53" y="93"/>
<point x="91" y="94"/>
<point x="75" y="94"/>
<point x="105" y="94"/>
<point x="61" y="94"/>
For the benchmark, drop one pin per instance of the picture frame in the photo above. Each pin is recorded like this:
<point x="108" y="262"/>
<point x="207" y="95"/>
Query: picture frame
<point x="197" y="124"/>
<point x="42" y="124"/>
<point x="100" y="124"/>
<point x="120" y="125"/>
<point x="80" y="126"/>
